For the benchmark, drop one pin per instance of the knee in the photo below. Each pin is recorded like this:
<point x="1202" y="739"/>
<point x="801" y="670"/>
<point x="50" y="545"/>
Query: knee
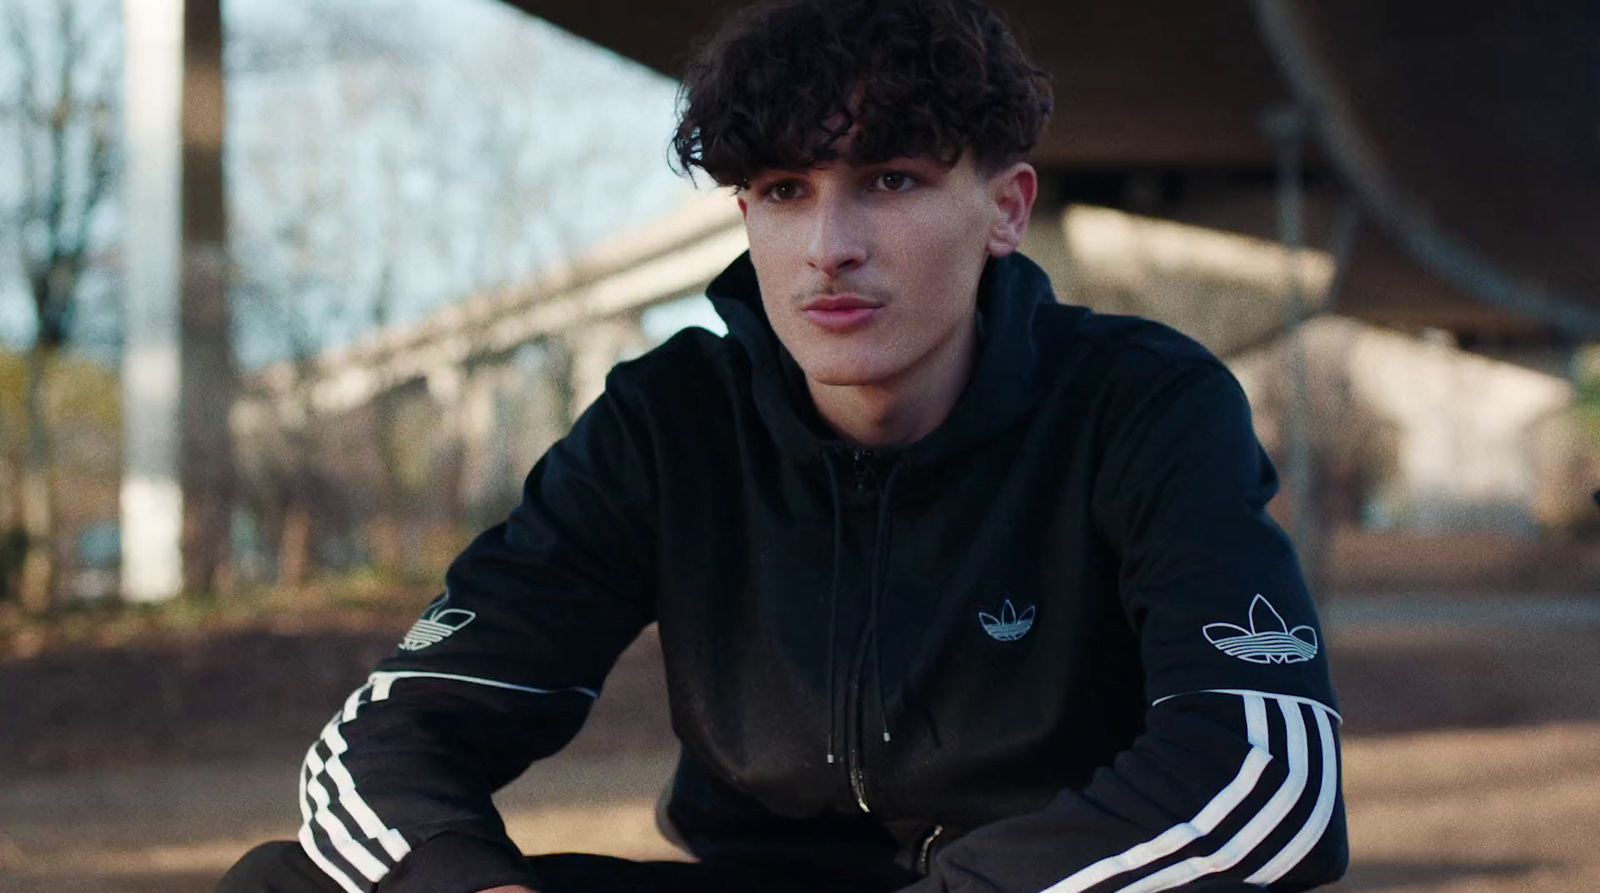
<point x="269" y="868"/>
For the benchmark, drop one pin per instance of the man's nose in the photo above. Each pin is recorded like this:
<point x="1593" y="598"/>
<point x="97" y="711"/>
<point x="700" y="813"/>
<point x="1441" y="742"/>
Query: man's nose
<point x="838" y="235"/>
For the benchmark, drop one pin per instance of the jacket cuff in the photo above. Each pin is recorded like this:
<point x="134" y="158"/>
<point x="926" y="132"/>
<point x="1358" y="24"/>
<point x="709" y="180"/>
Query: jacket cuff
<point x="458" y="863"/>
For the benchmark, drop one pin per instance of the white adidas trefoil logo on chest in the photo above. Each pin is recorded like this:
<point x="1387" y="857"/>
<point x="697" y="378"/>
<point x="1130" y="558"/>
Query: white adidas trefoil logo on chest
<point x="1269" y="640"/>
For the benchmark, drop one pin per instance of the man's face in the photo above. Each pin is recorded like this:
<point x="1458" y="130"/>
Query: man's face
<point x="870" y="272"/>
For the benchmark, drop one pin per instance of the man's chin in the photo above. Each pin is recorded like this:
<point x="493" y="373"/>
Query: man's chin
<point x="837" y="375"/>
<point x="842" y="365"/>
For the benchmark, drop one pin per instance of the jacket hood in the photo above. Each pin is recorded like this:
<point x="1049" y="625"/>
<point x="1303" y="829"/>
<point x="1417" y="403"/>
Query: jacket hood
<point x="1003" y="387"/>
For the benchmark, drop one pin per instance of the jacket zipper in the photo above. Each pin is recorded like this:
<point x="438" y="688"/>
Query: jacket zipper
<point x="853" y="758"/>
<point x="925" y="851"/>
<point x="855" y="765"/>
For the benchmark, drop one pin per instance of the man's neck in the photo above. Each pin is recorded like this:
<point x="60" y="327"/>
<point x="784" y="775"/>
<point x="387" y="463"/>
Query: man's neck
<point x="902" y="410"/>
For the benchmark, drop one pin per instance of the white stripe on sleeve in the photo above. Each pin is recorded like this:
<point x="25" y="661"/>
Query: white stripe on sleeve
<point x="389" y="838"/>
<point x="1255" y="726"/>
<point x="324" y="836"/>
<point x="309" y="844"/>
<point x="1242" y="692"/>
<point x="323" y="829"/>
<point x="1254" y="831"/>
<point x="339" y="877"/>
<point x="1317" y="823"/>
<point x="1203" y="823"/>
<point x="382" y="682"/>
<point x="337" y="834"/>
<point x="1257" y="828"/>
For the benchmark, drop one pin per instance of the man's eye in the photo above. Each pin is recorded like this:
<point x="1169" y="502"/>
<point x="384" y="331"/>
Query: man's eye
<point x="782" y="191"/>
<point x="895" y="181"/>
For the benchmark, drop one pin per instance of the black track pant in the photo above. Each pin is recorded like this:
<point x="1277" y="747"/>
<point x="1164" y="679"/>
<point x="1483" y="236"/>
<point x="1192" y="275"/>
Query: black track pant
<point x="283" y="867"/>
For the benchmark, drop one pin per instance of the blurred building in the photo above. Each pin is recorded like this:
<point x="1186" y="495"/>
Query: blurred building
<point x="1415" y="439"/>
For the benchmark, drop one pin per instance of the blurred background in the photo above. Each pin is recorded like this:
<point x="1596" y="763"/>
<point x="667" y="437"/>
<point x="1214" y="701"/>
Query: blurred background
<point x="293" y="294"/>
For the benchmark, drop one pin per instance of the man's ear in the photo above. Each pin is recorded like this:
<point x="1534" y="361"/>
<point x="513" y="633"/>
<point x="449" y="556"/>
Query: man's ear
<point x="744" y="209"/>
<point x="1012" y="192"/>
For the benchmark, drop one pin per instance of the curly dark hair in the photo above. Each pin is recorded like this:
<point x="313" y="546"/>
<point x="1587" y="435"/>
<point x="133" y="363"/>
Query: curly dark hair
<point x="782" y="82"/>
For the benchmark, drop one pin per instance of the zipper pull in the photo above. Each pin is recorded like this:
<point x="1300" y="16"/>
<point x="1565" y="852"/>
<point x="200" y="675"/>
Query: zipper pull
<point x="863" y="467"/>
<point x="925" y="851"/>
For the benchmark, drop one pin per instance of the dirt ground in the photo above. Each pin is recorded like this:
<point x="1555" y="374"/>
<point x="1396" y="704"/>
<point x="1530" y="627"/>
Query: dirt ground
<point x="1471" y="751"/>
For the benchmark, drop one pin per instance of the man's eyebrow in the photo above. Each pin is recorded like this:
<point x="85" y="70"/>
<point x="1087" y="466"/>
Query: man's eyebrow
<point x="923" y="163"/>
<point x="928" y="161"/>
<point x="774" y="172"/>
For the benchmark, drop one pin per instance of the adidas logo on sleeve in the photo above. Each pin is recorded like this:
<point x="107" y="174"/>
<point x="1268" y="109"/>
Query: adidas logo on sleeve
<point x="1269" y="640"/>
<point x="436" y="625"/>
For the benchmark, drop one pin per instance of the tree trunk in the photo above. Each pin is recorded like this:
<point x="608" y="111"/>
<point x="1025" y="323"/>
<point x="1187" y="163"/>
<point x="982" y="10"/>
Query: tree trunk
<point x="39" y="568"/>
<point x="294" y="541"/>
<point x="294" y="546"/>
<point x="388" y="549"/>
<point x="209" y="372"/>
<point x="388" y="546"/>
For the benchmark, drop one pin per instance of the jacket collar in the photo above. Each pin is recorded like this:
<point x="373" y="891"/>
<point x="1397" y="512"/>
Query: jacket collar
<point x="1004" y="384"/>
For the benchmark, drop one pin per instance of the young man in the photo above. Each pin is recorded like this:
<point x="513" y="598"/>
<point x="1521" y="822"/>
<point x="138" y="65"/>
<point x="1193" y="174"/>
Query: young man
<point x="958" y="589"/>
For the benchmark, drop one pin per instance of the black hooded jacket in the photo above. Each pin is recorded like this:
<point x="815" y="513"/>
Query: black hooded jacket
<point x="1057" y="644"/>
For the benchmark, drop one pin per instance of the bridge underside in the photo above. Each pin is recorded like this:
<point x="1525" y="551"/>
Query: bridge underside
<point x="1465" y="135"/>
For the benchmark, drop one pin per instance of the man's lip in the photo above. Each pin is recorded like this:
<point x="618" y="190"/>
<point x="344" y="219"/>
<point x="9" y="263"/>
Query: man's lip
<point x="829" y="303"/>
<point x="843" y="320"/>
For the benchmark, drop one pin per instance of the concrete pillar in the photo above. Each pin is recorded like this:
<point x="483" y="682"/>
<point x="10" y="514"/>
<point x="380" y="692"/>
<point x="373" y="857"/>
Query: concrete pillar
<point x="152" y="502"/>
<point x="477" y="424"/>
<point x="175" y="412"/>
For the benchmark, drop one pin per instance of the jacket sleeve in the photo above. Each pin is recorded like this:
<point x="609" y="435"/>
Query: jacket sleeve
<point x="500" y="670"/>
<point x="1234" y="783"/>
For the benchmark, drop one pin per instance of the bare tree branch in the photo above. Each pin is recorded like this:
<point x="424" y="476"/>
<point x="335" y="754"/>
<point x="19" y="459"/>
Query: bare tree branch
<point x="103" y="162"/>
<point x="60" y="121"/>
<point x="61" y="197"/>
<point x="27" y="120"/>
